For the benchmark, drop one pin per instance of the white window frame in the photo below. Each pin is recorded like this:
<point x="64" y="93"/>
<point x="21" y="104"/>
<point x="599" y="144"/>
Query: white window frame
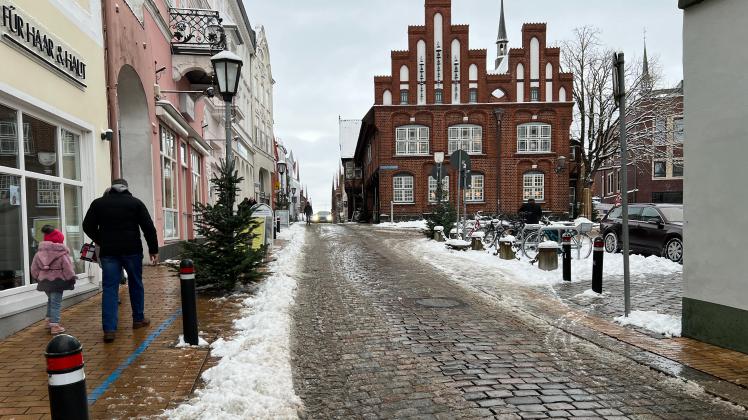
<point x="654" y="165"/>
<point x="679" y="133"/>
<point x="47" y="194"/>
<point x="402" y="189"/>
<point x="170" y="231"/>
<point x="609" y="183"/>
<point x="412" y="140"/>
<point x="24" y="177"/>
<point x="533" y="186"/>
<point x="197" y="190"/>
<point x="673" y="163"/>
<point x="534" y="138"/>
<point x="432" y="189"/>
<point x="467" y="137"/>
<point x="476" y="192"/>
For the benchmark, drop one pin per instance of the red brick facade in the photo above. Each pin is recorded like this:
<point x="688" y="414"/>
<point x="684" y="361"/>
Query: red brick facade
<point x="498" y="107"/>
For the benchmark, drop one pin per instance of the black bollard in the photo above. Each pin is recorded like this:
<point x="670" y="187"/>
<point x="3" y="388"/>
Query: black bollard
<point x="566" y="246"/>
<point x="189" y="301"/>
<point x="278" y="224"/>
<point x="67" y="381"/>
<point x="598" y="250"/>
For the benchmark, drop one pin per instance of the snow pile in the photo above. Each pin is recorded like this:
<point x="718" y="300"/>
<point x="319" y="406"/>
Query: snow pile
<point x="522" y="272"/>
<point x="457" y="243"/>
<point x="667" y="325"/>
<point x="253" y="379"/>
<point x="589" y="293"/>
<point x="413" y="224"/>
<point x="182" y="344"/>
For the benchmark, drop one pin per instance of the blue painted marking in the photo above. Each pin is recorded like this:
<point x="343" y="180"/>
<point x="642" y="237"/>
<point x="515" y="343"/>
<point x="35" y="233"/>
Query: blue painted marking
<point x="101" y="389"/>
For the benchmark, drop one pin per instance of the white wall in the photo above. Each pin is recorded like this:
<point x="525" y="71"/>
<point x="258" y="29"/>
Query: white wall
<point x="716" y="106"/>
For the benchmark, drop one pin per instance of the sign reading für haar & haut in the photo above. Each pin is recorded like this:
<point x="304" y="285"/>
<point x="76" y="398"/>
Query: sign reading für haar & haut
<point x="31" y="38"/>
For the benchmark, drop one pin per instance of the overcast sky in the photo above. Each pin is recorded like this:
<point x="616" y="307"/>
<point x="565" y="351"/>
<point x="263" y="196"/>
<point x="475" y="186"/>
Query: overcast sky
<point x="325" y="53"/>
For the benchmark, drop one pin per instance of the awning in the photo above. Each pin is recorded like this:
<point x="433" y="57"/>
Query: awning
<point x="170" y="115"/>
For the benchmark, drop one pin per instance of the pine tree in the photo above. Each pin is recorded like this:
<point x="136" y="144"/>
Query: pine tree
<point x="443" y="215"/>
<point x="224" y="256"/>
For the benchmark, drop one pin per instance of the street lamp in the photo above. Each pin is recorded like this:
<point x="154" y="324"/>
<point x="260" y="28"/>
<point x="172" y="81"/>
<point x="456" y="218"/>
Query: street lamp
<point x="560" y="164"/>
<point x="227" y="67"/>
<point x="282" y="192"/>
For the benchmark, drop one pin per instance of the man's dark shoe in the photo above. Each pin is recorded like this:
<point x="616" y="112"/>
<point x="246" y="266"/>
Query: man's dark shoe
<point x="141" y="324"/>
<point x="109" y="336"/>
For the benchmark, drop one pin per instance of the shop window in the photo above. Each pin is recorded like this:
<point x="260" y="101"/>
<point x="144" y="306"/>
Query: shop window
<point x="42" y="139"/>
<point x="11" y="231"/>
<point x="71" y="155"/>
<point x="42" y="208"/>
<point x="466" y="137"/>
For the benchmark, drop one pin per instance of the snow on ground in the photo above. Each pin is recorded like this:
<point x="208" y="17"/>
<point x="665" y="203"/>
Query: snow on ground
<point x="183" y="344"/>
<point x="521" y="271"/>
<point x="253" y="379"/>
<point x="414" y="224"/>
<point x="667" y="325"/>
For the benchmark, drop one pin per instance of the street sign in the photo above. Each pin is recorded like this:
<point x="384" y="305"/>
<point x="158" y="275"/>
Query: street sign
<point x="389" y="167"/>
<point x="459" y="156"/>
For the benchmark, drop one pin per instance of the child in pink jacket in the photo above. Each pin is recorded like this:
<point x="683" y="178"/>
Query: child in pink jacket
<point x="53" y="270"/>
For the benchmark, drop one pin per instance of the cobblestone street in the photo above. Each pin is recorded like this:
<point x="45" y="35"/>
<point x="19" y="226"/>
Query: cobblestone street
<point x="379" y="334"/>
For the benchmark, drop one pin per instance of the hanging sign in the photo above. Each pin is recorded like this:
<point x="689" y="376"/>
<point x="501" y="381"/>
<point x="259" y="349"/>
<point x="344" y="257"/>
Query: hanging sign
<point x="31" y="38"/>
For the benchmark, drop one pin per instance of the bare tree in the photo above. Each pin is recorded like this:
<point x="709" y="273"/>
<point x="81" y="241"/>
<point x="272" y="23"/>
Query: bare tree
<point x="596" y="115"/>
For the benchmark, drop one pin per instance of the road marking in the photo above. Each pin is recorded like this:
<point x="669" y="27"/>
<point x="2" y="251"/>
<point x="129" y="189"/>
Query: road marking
<point x="101" y="389"/>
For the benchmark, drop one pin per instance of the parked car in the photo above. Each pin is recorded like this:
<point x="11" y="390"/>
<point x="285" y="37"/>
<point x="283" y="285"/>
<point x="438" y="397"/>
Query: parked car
<point x="654" y="229"/>
<point x="322" y="217"/>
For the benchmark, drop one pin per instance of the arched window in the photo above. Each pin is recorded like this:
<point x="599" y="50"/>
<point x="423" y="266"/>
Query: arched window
<point x="562" y="95"/>
<point x="412" y="140"/>
<point x="404" y="74"/>
<point x="534" y="59"/>
<point x="402" y="189"/>
<point x="533" y="186"/>
<point x="387" y="98"/>
<point x="475" y="194"/>
<point x="520" y="82"/>
<point x="549" y="82"/>
<point x="473" y="72"/>
<point x="467" y="137"/>
<point x="533" y="138"/>
<point x="432" y="189"/>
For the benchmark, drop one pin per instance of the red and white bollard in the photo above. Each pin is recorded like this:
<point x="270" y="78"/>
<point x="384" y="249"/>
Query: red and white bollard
<point x="67" y="380"/>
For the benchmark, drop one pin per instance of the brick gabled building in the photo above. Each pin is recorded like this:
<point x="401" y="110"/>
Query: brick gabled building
<point x="514" y="121"/>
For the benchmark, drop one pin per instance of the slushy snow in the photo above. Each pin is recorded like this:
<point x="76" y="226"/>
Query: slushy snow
<point x="183" y="344"/>
<point x="667" y="325"/>
<point x="414" y="224"/>
<point x="253" y="379"/>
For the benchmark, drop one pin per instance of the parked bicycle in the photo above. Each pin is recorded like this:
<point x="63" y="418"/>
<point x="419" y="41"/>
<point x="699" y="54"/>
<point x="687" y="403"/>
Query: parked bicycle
<point x="581" y="243"/>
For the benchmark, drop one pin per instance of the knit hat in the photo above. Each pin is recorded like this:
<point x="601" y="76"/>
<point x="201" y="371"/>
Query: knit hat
<point x="55" y="236"/>
<point x="120" y="185"/>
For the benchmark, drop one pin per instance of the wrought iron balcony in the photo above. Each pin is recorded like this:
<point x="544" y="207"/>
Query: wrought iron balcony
<point x="196" y="31"/>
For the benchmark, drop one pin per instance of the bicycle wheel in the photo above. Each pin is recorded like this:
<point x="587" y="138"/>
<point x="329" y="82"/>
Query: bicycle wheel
<point x="581" y="246"/>
<point x="530" y="244"/>
<point x="489" y="238"/>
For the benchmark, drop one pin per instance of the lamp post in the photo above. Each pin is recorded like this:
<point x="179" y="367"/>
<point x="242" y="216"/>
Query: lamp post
<point x="281" y="192"/>
<point x="227" y="67"/>
<point x="439" y="160"/>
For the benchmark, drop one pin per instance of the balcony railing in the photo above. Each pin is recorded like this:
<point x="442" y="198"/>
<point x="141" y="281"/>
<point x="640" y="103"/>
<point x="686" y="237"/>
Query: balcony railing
<point x="196" y="31"/>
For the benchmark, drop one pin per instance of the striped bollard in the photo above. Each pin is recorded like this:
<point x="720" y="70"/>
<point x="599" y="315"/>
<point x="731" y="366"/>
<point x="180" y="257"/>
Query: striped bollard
<point x="598" y="249"/>
<point x="189" y="301"/>
<point x="67" y="381"/>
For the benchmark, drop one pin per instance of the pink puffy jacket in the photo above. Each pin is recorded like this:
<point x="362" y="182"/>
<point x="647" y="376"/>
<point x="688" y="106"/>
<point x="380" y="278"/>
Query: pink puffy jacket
<point x="53" y="268"/>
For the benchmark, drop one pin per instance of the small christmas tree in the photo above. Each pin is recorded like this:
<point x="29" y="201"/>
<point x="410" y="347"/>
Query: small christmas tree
<point x="224" y="256"/>
<point x="443" y="215"/>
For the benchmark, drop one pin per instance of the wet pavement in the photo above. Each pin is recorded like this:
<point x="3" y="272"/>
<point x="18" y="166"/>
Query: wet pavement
<point x="380" y="333"/>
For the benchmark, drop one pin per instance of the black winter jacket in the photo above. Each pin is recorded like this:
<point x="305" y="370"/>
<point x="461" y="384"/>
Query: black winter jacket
<point x="114" y="222"/>
<point x="533" y="213"/>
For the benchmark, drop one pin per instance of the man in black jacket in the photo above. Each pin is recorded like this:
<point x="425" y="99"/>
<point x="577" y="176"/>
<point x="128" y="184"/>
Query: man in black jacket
<point x="531" y="212"/>
<point x="114" y="222"/>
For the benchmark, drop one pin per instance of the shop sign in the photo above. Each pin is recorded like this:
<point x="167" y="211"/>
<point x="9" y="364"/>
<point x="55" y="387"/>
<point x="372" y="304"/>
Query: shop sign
<point x="31" y="38"/>
<point x="388" y="167"/>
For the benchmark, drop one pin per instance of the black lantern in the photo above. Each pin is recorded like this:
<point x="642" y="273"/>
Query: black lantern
<point x="227" y="67"/>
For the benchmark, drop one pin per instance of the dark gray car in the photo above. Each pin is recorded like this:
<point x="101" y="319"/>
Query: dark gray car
<point x="654" y="229"/>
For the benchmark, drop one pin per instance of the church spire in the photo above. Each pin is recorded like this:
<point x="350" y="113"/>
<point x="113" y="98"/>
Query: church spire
<point x="646" y="77"/>
<point x="502" y="42"/>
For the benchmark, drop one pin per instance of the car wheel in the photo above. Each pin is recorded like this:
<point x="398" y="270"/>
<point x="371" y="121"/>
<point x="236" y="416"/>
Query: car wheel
<point x="611" y="242"/>
<point x="673" y="250"/>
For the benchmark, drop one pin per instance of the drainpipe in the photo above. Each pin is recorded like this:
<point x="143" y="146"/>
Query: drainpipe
<point x="499" y="114"/>
<point x="111" y="97"/>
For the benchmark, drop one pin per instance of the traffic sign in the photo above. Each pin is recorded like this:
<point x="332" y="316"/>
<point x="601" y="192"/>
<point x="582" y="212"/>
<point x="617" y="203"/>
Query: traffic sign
<point x="459" y="157"/>
<point x="438" y="172"/>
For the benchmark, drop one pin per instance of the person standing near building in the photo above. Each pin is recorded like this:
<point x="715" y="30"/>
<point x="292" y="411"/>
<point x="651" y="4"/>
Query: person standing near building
<point x="531" y="212"/>
<point x="308" y="212"/>
<point x="53" y="270"/>
<point x="114" y="222"/>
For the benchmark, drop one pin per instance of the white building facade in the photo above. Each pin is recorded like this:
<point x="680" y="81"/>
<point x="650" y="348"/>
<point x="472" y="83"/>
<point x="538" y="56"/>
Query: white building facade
<point x="262" y="119"/>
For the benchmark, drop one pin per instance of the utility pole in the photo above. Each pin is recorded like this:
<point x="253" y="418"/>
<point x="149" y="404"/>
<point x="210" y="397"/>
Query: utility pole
<point x="619" y="91"/>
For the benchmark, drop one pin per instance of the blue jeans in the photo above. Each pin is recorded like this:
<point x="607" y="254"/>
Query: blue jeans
<point x="112" y="270"/>
<point x="54" y="306"/>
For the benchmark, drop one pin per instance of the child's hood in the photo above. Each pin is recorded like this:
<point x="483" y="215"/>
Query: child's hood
<point x="50" y="251"/>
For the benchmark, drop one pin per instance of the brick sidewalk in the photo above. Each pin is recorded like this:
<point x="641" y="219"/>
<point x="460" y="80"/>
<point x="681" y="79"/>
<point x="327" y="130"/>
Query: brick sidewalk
<point x="159" y="377"/>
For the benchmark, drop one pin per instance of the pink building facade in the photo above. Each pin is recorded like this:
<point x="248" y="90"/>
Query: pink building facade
<point x="158" y="65"/>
